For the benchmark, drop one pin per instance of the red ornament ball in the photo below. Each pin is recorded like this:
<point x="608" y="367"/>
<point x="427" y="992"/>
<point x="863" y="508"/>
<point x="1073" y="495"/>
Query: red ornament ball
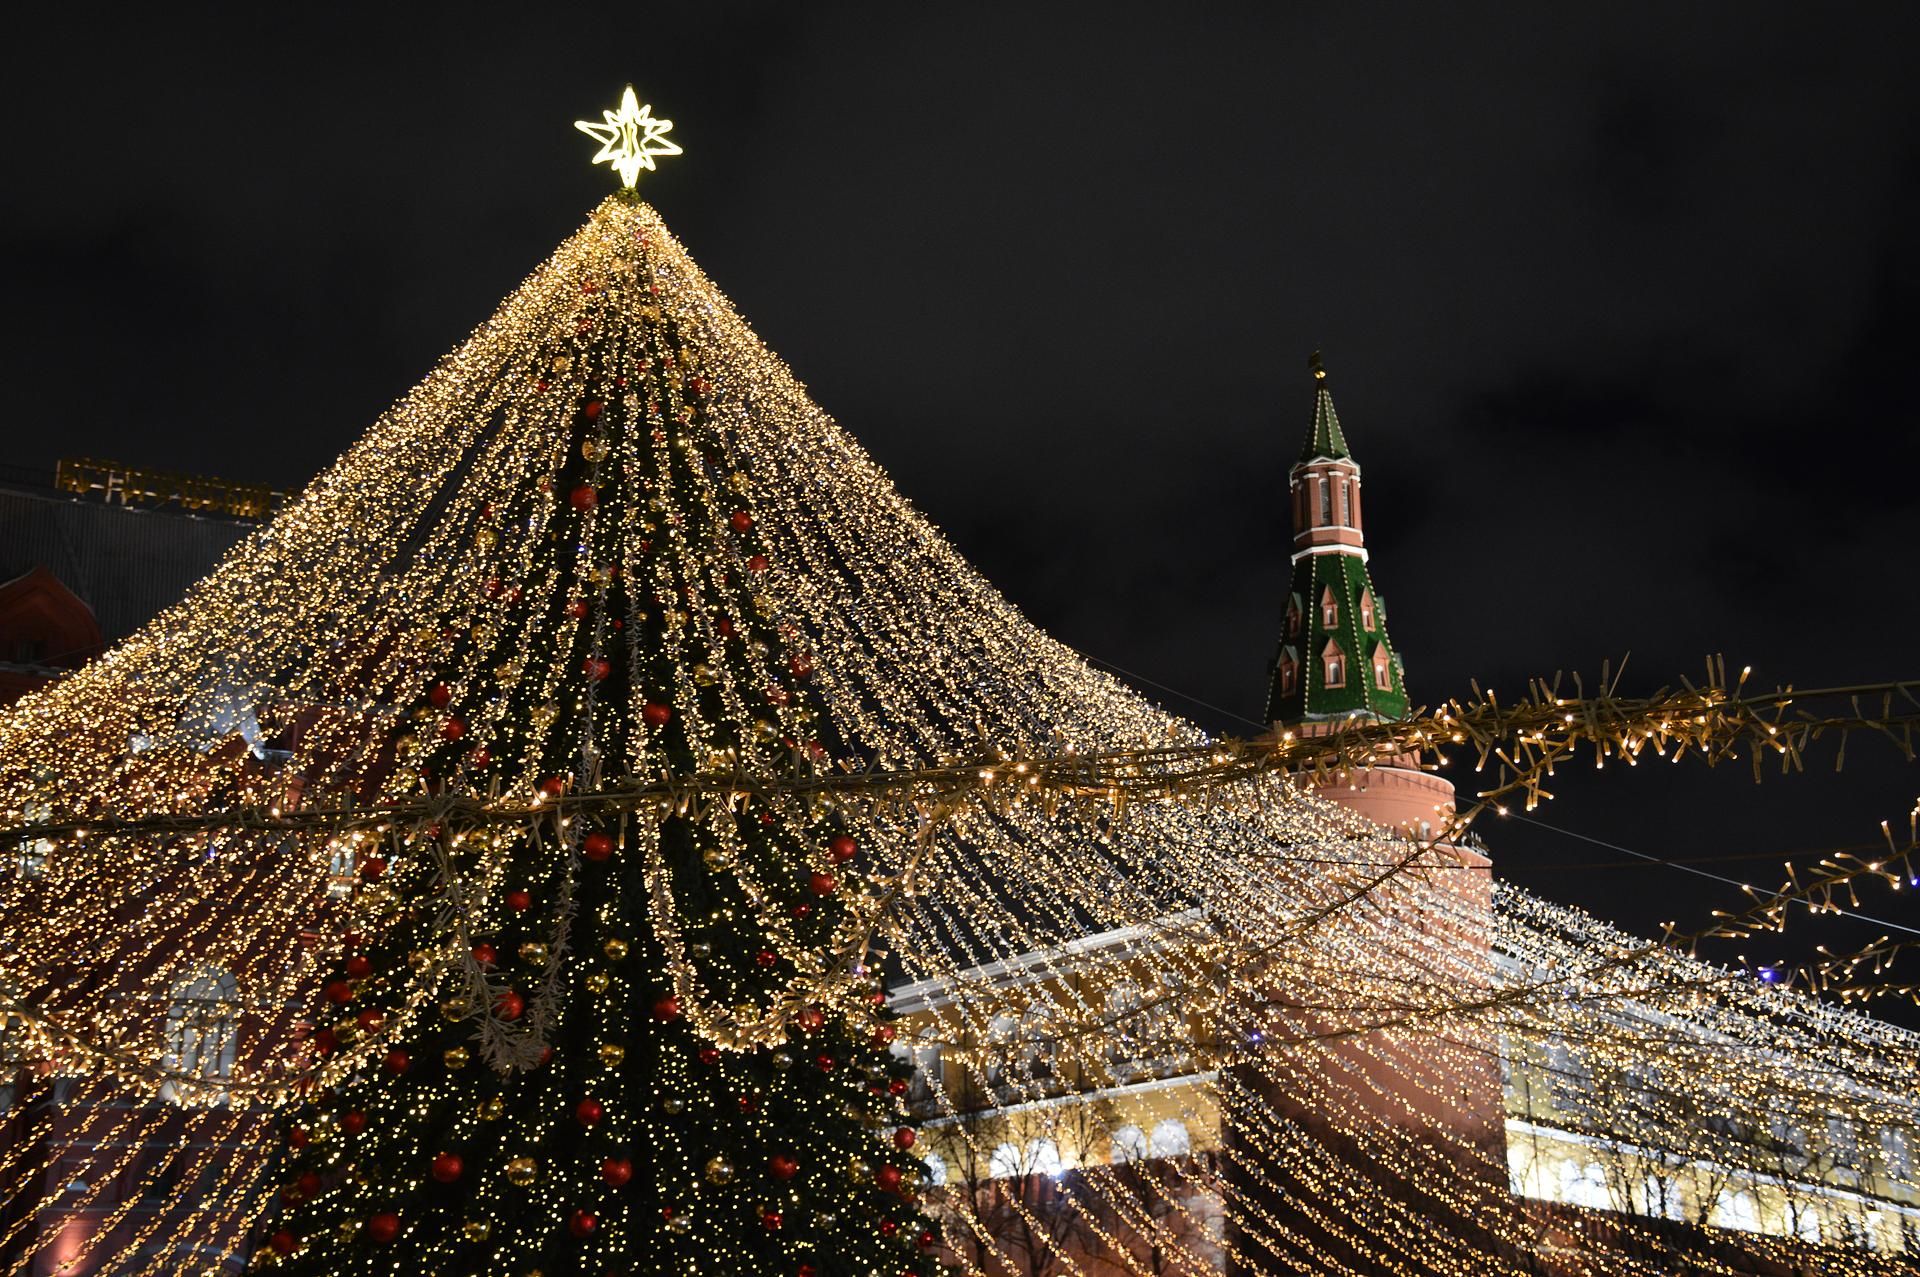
<point x="806" y="1270"/>
<point x="359" y="967"/>
<point x="354" y="1122"/>
<point x="397" y="1062"/>
<point x="766" y="957"/>
<point x="284" y="1242"/>
<point x="325" y="1042"/>
<point x="656" y="714"/>
<point x="904" y="1136"/>
<point x="553" y="787"/>
<point x="889" y="1227"/>
<point x="925" y="1241"/>
<point x="782" y="1167"/>
<point x="588" y="1112"/>
<point x="884" y="1034"/>
<point x="440" y="694"/>
<point x="577" y="609"/>
<point x="597" y="846"/>
<point x="452" y="729"/>
<point x="448" y="1167"/>
<point x="596" y="667"/>
<point x="824" y="1062"/>
<point x="888" y="1178"/>
<point x="308" y="1184"/>
<point x="897" y="1087"/>
<point x="758" y="563"/>
<point x="708" y="1056"/>
<point x="519" y="900"/>
<point x="822" y="882"/>
<point x="771" y="1221"/>
<point x="592" y="410"/>
<point x="616" y="1171"/>
<point x="810" y="1019"/>
<point x="371" y="1020"/>
<point x="667" y="1009"/>
<point x="843" y="849"/>
<point x="298" y="1137"/>
<point x="584" y="497"/>
<point x="480" y="756"/>
<point x="372" y="867"/>
<point x="582" y="1224"/>
<point x="339" y="992"/>
<point x="802" y="910"/>
<point x="492" y="587"/>
<point x="485" y="954"/>
<point x="383" y="1227"/>
<point x="740" y="520"/>
<point x="510" y="1005"/>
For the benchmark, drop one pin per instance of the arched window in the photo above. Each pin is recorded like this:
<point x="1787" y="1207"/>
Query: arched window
<point x="1333" y="666"/>
<point x="1170" y="1139"/>
<point x="936" y="1172"/>
<point x="1326" y="500"/>
<point x="1289" y="671"/>
<point x="1129" y="1145"/>
<point x="1043" y="1158"/>
<point x="1036" y="1041"/>
<point x="1293" y="616"/>
<point x="1000" y="1035"/>
<point x="1329" y="608"/>
<point x="1736" y="1208"/>
<point x="1584" y="1185"/>
<point x="1366" y="609"/>
<point x="202" y="1027"/>
<point x="1382" y="668"/>
<point x="1005" y="1161"/>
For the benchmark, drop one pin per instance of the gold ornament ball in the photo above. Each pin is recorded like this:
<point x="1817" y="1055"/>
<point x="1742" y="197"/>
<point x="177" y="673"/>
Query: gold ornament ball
<point x="491" y="1110"/>
<point x="680" y="1224"/>
<point x="782" y="1060"/>
<point x="705" y="676"/>
<point x="615" y="949"/>
<point x="598" y="982"/>
<point x="859" y="1170"/>
<point x="477" y="1230"/>
<point x="486" y="538"/>
<point x="700" y="949"/>
<point x="521" y="1171"/>
<point x="420" y="959"/>
<point x="533" y="953"/>
<point x="719" y="1171"/>
<point x="674" y="1105"/>
<point x="348" y="1227"/>
<point x="613" y="1055"/>
<point x="456" y="1057"/>
<point x="764" y="731"/>
<point x="455" y="1008"/>
<point x="718" y="859"/>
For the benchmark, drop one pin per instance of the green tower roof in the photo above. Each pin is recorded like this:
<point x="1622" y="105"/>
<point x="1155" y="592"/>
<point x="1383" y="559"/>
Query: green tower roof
<point x="1326" y="440"/>
<point x="1334" y="659"/>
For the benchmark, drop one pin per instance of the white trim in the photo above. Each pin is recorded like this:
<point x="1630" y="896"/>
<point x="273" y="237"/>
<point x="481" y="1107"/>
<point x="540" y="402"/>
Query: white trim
<point x="1358" y="550"/>
<point x="1036" y="964"/>
<point x="1076" y="1097"/>
<point x="1667" y="1160"/>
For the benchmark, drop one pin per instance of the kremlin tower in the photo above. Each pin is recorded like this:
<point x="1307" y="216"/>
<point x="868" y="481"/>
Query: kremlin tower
<point x="1334" y="662"/>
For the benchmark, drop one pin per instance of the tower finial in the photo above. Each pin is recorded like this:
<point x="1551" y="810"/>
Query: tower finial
<point x="1317" y="369"/>
<point x="630" y="139"/>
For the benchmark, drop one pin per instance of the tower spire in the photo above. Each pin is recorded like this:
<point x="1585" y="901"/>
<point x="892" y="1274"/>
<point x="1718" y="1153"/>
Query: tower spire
<point x="1334" y="659"/>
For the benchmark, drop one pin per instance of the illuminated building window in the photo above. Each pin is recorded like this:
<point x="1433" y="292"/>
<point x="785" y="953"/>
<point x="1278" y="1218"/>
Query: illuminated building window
<point x="1036" y="1042"/>
<point x="202" y="1028"/>
<point x="1333" y="666"/>
<point x="1326" y="500"/>
<point x="1843" y="1144"/>
<point x="1736" y="1208"/>
<point x="1043" y="1158"/>
<point x="1005" y="1161"/>
<point x="1895" y="1151"/>
<point x="1129" y="1145"/>
<point x="1366" y="609"/>
<point x="936" y="1171"/>
<point x="30" y="854"/>
<point x="1584" y="1184"/>
<point x="1170" y="1139"/>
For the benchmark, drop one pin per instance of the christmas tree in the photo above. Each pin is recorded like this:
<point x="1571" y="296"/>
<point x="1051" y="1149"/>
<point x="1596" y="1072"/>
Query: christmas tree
<point x="613" y="1075"/>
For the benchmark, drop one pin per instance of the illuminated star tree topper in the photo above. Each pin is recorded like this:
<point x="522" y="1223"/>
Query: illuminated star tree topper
<point x="630" y="138"/>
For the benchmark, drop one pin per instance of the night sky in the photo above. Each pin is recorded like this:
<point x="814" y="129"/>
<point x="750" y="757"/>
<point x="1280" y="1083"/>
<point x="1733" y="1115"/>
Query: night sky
<point x="1619" y="311"/>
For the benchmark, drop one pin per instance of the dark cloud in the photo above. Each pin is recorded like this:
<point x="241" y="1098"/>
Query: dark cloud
<point x="1619" y="304"/>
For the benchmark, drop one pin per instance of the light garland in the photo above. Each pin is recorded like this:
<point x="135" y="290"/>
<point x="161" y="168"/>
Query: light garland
<point x="224" y="782"/>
